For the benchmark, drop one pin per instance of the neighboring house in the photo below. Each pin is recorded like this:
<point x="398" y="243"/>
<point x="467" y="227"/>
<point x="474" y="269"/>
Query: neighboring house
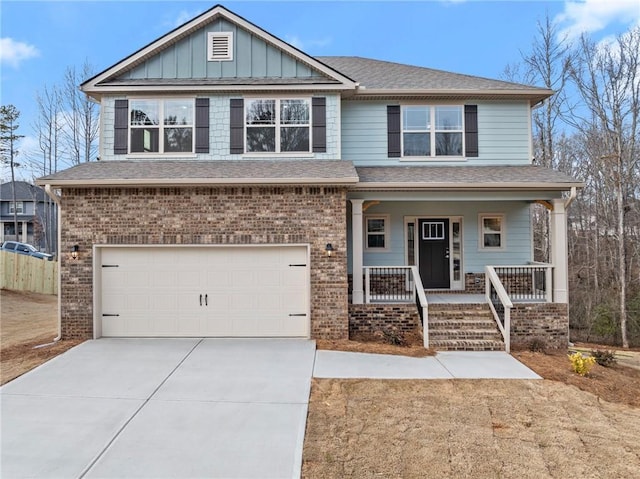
<point x="36" y="215"/>
<point x="242" y="183"/>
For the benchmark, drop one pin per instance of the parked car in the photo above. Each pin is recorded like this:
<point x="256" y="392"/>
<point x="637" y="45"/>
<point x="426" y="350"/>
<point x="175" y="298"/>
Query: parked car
<point x="25" y="248"/>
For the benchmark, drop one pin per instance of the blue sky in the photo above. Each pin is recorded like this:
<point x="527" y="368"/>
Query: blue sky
<point x="40" y="39"/>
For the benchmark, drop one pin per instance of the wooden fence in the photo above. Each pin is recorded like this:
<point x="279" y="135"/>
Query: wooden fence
<point x="25" y="273"/>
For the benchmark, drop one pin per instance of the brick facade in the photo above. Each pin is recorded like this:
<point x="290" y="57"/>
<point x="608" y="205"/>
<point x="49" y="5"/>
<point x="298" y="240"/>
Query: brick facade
<point x="371" y="318"/>
<point x="548" y="322"/>
<point x="313" y="215"/>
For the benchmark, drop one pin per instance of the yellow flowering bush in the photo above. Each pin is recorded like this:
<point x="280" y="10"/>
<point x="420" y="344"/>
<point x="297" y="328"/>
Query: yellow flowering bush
<point x="581" y="364"/>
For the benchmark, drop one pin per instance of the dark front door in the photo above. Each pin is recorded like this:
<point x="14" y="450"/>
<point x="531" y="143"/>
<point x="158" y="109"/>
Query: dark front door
<point x="433" y="240"/>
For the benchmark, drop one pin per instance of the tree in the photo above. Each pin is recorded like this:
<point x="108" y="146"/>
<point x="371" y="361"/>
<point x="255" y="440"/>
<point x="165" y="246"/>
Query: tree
<point x="48" y="129"/>
<point x="545" y="65"/>
<point x="607" y="78"/>
<point x="9" y="115"/>
<point x="80" y="116"/>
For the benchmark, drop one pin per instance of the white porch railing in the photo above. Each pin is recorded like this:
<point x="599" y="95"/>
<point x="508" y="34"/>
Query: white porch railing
<point x="500" y="304"/>
<point x="530" y="282"/>
<point x="397" y="284"/>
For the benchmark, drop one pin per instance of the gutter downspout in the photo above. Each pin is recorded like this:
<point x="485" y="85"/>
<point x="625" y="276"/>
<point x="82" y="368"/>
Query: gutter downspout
<point x="56" y="199"/>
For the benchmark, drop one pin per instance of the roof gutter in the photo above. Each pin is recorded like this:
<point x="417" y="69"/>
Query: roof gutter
<point x="465" y="186"/>
<point x="205" y="181"/>
<point x="57" y="200"/>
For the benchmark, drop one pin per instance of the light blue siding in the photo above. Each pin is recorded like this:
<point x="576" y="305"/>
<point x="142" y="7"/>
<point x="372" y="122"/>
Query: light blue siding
<point x="517" y="240"/>
<point x="503" y="134"/>
<point x="252" y="58"/>
<point x="219" y="132"/>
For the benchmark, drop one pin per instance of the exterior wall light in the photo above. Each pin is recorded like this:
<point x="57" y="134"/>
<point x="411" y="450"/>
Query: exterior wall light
<point x="74" y="251"/>
<point x="329" y="249"/>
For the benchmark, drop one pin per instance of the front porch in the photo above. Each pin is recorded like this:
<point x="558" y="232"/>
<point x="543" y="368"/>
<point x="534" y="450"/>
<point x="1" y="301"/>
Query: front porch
<point x="515" y="309"/>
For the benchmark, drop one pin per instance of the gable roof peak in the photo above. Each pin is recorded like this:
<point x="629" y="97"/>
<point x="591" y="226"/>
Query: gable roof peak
<point x="103" y="81"/>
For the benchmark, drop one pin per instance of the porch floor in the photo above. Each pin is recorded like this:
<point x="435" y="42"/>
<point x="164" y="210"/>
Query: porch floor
<point x="435" y="298"/>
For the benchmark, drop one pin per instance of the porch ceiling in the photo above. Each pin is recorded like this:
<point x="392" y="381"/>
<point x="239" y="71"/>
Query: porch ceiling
<point x="463" y="178"/>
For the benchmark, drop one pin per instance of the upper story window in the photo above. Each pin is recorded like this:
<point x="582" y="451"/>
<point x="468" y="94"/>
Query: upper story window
<point x="161" y="126"/>
<point x="17" y="207"/>
<point x="277" y="125"/>
<point x="432" y="130"/>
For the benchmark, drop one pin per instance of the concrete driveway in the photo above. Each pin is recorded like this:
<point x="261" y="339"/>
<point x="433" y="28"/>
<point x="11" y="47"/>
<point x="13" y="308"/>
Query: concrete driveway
<point x="179" y="408"/>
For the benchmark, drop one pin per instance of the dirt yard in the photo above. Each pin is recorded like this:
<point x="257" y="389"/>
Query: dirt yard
<point x="27" y="320"/>
<point x="564" y="426"/>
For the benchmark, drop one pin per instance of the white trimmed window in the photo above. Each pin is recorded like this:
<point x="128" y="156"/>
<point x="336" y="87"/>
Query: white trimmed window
<point x="376" y="232"/>
<point x="432" y="131"/>
<point x="492" y="231"/>
<point x="277" y="125"/>
<point x="17" y="207"/>
<point x="161" y="126"/>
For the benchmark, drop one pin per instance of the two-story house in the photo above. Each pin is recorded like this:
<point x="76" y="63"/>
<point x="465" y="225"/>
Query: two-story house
<point x="35" y="213"/>
<point x="246" y="188"/>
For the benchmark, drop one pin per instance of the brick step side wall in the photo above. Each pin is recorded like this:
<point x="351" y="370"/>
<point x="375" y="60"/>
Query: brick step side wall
<point x="372" y="318"/>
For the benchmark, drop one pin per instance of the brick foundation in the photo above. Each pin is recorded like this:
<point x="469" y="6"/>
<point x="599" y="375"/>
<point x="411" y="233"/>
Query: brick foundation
<point x="313" y="215"/>
<point x="548" y="322"/>
<point x="370" y="318"/>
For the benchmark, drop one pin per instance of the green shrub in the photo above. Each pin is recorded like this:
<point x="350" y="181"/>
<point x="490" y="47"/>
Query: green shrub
<point x="581" y="364"/>
<point x="604" y="357"/>
<point x="537" y="345"/>
<point x="393" y="336"/>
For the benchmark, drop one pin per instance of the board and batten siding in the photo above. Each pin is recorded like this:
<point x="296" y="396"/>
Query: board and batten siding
<point x="504" y="134"/>
<point x="219" y="118"/>
<point x="252" y="58"/>
<point x="518" y="237"/>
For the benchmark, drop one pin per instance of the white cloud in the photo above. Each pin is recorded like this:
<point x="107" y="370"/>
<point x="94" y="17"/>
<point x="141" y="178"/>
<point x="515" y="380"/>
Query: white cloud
<point x="14" y="52"/>
<point x="588" y="16"/>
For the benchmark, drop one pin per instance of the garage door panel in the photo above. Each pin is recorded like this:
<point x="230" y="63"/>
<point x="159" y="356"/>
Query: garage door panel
<point x="249" y="291"/>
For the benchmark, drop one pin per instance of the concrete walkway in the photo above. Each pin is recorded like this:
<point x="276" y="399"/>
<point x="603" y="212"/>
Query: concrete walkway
<point x="444" y="365"/>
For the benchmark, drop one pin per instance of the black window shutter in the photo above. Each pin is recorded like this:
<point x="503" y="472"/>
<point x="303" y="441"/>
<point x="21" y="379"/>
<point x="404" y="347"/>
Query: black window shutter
<point x="471" y="130"/>
<point x="121" y="128"/>
<point x="319" y="124"/>
<point x="393" y="131"/>
<point x="236" y="122"/>
<point x="202" y="125"/>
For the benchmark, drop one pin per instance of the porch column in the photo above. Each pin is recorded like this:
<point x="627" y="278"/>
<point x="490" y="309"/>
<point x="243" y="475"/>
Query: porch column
<point x="559" y="252"/>
<point x="25" y="238"/>
<point x="357" y="296"/>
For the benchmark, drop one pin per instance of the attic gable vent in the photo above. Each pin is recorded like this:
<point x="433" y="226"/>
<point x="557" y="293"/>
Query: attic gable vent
<point x="220" y="46"/>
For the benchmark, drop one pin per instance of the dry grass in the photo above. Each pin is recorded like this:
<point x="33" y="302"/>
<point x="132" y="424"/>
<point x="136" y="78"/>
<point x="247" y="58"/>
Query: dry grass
<point x="563" y="426"/>
<point x="466" y="428"/>
<point x="27" y="320"/>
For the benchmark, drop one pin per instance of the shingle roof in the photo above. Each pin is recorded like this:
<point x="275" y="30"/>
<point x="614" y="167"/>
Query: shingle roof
<point x="24" y="192"/>
<point x="181" y="172"/>
<point x="382" y="75"/>
<point x="463" y="177"/>
<point x="256" y="172"/>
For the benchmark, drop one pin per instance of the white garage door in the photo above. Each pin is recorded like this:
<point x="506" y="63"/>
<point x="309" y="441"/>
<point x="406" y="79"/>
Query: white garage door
<point x="200" y="291"/>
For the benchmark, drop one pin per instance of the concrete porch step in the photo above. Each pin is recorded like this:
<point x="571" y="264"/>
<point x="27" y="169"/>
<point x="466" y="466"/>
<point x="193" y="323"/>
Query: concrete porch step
<point x="462" y="323"/>
<point x="464" y="334"/>
<point x="466" y="345"/>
